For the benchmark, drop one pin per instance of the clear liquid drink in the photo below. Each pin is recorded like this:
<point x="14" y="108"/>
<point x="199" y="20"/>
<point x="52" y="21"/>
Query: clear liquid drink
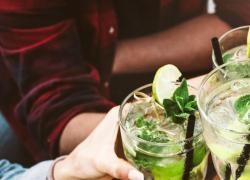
<point x="224" y="104"/>
<point x="238" y="53"/>
<point x="155" y="145"/>
<point x="233" y="45"/>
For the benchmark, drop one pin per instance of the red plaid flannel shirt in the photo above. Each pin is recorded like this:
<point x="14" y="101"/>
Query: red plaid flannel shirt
<point x="56" y="59"/>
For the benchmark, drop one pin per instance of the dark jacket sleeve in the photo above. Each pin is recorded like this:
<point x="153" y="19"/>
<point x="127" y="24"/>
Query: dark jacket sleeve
<point x="53" y="79"/>
<point x="234" y="12"/>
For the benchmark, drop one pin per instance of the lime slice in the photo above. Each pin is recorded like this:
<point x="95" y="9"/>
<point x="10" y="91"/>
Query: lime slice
<point x="163" y="86"/>
<point x="248" y="43"/>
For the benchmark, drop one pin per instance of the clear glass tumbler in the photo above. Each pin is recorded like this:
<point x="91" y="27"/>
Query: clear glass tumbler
<point x="233" y="45"/>
<point x="159" y="160"/>
<point x="224" y="105"/>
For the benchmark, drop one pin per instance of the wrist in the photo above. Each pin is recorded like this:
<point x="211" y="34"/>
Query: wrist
<point x="60" y="169"/>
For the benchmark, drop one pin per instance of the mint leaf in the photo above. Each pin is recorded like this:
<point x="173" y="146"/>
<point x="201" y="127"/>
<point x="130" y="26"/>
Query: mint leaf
<point x="182" y="92"/>
<point x="191" y="98"/>
<point x="142" y="122"/>
<point x="242" y="107"/>
<point x="139" y="122"/>
<point x="148" y="130"/>
<point x="191" y="106"/>
<point x="180" y="102"/>
<point x="182" y="115"/>
<point x="227" y="57"/>
<point x="180" y="118"/>
<point x="153" y="136"/>
<point x="182" y="105"/>
<point x="170" y="107"/>
<point x="144" y="161"/>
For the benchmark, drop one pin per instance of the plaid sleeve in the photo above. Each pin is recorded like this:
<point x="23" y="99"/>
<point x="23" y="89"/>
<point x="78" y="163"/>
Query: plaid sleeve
<point x="53" y="79"/>
<point x="235" y="13"/>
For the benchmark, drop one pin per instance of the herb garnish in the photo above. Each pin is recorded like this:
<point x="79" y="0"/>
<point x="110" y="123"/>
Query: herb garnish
<point x="149" y="132"/>
<point x="242" y="106"/>
<point x="181" y="105"/>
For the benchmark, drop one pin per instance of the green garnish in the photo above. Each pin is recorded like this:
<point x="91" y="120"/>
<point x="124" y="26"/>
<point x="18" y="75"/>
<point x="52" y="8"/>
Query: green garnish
<point x="143" y="161"/>
<point x="181" y="105"/>
<point x="227" y="57"/>
<point x="141" y="122"/>
<point x="153" y="136"/>
<point x="149" y="132"/>
<point x="242" y="107"/>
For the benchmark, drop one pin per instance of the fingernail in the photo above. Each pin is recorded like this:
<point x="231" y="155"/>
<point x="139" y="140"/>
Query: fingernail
<point x="135" y="175"/>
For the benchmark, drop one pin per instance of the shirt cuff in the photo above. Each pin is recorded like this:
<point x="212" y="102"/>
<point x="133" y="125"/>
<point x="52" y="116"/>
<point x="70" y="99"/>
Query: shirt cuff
<point x="50" y="175"/>
<point x="37" y="172"/>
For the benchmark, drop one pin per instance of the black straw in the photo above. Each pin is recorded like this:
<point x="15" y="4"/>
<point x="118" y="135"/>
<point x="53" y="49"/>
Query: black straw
<point x="217" y="50"/>
<point x="188" y="146"/>
<point x="228" y="172"/>
<point x="242" y="160"/>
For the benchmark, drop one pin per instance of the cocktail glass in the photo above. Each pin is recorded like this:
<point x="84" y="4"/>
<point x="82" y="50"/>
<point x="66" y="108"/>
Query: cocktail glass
<point x="224" y="104"/>
<point x="160" y="158"/>
<point x="233" y="45"/>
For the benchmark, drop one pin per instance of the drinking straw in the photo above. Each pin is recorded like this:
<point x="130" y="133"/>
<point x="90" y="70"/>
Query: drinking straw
<point x="188" y="146"/>
<point x="217" y="50"/>
<point x="242" y="160"/>
<point x="228" y="172"/>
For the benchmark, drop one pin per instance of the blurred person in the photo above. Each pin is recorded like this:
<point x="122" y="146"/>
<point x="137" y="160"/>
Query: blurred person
<point x="94" y="158"/>
<point x="57" y="58"/>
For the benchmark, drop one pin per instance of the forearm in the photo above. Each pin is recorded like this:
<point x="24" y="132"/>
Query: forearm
<point x="186" y="45"/>
<point x="77" y="130"/>
<point x="82" y="125"/>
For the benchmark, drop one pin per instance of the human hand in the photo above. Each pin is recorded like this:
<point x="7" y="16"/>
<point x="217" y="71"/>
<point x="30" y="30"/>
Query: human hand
<point x="95" y="157"/>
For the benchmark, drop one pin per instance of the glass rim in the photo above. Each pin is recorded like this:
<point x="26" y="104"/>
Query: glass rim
<point x="142" y="140"/>
<point x="200" y="89"/>
<point x="222" y="37"/>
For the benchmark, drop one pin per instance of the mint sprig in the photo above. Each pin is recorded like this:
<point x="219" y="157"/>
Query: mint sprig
<point x="149" y="132"/>
<point x="181" y="105"/>
<point x="242" y="107"/>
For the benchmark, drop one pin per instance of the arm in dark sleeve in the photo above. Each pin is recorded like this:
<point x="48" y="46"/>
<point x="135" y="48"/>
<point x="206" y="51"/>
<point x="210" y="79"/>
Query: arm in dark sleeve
<point x="235" y="13"/>
<point x="53" y="79"/>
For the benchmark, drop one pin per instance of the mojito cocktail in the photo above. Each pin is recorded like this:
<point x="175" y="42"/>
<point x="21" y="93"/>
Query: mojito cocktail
<point x="224" y="104"/>
<point x="155" y="133"/>
<point x="233" y="45"/>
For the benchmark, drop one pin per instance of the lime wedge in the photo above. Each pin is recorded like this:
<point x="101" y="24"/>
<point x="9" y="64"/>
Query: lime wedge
<point x="248" y="43"/>
<point x="163" y="86"/>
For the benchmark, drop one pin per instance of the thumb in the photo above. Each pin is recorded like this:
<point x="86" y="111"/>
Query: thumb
<point x="120" y="169"/>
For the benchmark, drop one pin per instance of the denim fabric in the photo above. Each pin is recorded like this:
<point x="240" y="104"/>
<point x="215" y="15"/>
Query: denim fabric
<point x="37" y="172"/>
<point x="4" y="133"/>
<point x="10" y="171"/>
<point x="10" y="146"/>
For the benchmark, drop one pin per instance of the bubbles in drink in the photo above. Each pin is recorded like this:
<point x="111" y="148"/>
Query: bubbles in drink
<point x="228" y="132"/>
<point x="146" y="120"/>
<point x="238" y="53"/>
